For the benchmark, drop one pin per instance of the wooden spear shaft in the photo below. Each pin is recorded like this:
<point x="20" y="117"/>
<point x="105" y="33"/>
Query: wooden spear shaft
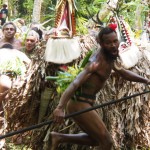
<point x="72" y="114"/>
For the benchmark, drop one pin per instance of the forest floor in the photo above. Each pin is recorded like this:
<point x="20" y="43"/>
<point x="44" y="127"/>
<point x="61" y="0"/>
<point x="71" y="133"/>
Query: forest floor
<point x="12" y="146"/>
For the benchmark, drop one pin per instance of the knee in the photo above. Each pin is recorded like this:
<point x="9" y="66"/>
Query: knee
<point x="110" y="142"/>
<point x="106" y="142"/>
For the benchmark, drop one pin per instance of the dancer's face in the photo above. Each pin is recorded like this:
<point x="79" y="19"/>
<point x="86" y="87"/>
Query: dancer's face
<point x="30" y="43"/>
<point x="9" y="31"/>
<point x="110" y="45"/>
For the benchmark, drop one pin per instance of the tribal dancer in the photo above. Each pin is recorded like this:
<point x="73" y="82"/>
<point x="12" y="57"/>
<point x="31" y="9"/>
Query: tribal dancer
<point x="81" y="95"/>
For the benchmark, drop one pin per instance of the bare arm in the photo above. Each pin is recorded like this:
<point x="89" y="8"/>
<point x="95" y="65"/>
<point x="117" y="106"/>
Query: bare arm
<point x="80" y="79"/>
<point x="58" y="113"/>
<point x="131" y="76"/>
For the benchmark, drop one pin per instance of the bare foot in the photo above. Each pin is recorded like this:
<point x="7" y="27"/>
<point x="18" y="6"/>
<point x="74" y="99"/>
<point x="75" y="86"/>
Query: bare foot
<point x="55" y="140"/>
<point x="17" y="140"/>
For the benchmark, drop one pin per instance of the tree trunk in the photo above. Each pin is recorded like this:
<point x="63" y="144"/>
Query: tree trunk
<point x="36" y="11"/>
<point x="5" y="2"/>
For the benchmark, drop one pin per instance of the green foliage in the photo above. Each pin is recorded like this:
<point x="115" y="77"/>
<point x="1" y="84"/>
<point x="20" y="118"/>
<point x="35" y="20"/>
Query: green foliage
<point x="13" y="65"/>
<point x="86" y="59"/>
<point x="48" y="12"/>
<point x="23" y="7"/>
<point x="11" y="146"/>
<point x="126" y="8"/>
<point x="128" y="11"/>
<point x="63" y="79"/>
<point x="81" y="28"/>
<point x="28" y="4"/>
<point x="82" y="14"/>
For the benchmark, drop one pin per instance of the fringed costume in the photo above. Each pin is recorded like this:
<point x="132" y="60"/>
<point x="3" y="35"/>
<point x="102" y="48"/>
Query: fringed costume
<point x="62" y="47"/>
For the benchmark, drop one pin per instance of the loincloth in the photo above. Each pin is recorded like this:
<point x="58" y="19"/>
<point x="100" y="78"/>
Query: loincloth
<point x="85" y="98"/>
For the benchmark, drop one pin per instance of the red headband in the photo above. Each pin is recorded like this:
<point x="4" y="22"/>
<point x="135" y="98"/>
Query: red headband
<point x="113" y="26"/>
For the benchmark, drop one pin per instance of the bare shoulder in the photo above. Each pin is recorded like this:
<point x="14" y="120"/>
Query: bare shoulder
<point x="91" y="66"/>
<point x="94" y="56"/>
<point x="1" y="41"/>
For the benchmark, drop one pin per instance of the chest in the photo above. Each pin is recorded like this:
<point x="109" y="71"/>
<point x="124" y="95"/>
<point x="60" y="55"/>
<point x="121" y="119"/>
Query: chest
<point x="104" y="70"/>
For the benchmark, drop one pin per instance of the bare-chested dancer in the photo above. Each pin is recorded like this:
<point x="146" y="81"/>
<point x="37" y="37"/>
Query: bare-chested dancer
<point x="91" y="79"/>
<point x="9" y="31"/>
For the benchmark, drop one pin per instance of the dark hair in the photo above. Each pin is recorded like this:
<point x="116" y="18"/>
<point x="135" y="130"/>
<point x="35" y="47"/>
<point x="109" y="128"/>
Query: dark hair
<point x="7" y="45"/>
<point x="38" y="31"/>
<point x="106" y="30"/>
<point x="8" y="23"/>
<point x="4" y="5"/>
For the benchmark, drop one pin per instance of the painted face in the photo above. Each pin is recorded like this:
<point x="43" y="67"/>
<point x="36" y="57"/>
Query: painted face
<point x="30" y="43"/>
<point x="110" y="45"/>
<point x="9" y="31"/>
